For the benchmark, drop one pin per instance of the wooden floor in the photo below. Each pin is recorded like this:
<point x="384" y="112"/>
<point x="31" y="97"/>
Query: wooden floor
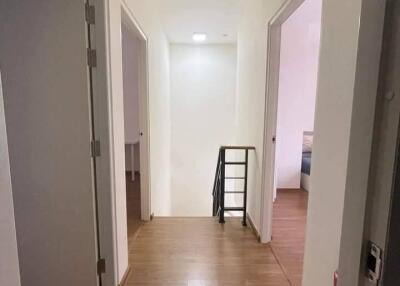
<point x="202" y="252"/>
<point x="288" y="230"/>
<point x="133" y="205"/>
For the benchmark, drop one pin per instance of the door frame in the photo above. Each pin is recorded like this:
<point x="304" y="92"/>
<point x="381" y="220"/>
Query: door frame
<point x="131" y="23"/>
<point x="390" y="269"/>
<point x="103" y="80"/>
<point x="102" y="117"/>
<point x="268" y="174"/>
<point x="362" y="124"/>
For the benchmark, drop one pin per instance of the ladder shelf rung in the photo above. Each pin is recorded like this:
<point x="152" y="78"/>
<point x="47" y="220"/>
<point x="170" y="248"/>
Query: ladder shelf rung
<point x="234" y="209"/>
<point x="235" y="163"/>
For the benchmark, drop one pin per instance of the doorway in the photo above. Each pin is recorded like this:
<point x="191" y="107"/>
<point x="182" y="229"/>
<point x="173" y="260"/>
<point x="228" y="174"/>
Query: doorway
<point x="136" y="144"/>
<point x="294" y="42"/>
<point x="130" y="68"/>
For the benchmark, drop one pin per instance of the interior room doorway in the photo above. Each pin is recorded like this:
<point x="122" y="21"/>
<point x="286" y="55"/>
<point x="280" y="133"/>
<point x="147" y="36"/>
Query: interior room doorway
<point x="135" y="90"/>
<point x="292" y="86"/>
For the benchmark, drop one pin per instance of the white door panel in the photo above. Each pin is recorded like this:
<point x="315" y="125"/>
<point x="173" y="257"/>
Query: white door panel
<point x="45" y="82"/>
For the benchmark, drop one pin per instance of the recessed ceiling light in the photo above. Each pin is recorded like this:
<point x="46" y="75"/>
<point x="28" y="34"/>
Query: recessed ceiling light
<point x="199" y="37"/>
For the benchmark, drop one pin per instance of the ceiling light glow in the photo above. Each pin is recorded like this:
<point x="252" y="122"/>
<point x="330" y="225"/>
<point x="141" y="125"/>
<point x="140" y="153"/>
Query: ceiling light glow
<point x="199" y="37"/>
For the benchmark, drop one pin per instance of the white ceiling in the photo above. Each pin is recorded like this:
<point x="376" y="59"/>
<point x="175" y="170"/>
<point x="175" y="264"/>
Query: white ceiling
<point x="217" y="18"/>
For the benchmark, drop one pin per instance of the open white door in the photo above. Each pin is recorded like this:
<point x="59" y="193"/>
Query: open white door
<point x="43" y="56"/>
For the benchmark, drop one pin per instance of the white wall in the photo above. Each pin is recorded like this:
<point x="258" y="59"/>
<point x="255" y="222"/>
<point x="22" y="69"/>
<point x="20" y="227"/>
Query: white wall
<point x="130" y="66"/>
<point x="136" y="157"/>
<point x="346" y="92"/>
<point x="250" y="99"/>
<point x="130" y="69"/>
<point x="359" y="172"/>
<point x="118" y="138"/>
<point x="203" y="84"/>
<point x="335" y="94"/>
<point x="297" y="89"/>
<point x="331" y="141"/>
<point x="9" y="267"/>
<point x="159" y="93"/>
<point x="158" y="57"/>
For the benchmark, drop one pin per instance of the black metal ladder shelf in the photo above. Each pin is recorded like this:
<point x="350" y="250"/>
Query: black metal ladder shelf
<point x="219" y="191"/>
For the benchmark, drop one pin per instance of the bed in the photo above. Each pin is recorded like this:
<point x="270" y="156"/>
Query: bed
<point x="306" y="160"/>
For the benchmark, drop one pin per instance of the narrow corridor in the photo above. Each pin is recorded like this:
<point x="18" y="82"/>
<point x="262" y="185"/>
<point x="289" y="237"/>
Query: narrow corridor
<point x="201" y="252"/>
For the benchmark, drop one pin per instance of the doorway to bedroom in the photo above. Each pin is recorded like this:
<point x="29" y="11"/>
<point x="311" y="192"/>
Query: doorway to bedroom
<point x="295" y="106"/>
<point x="130" y="67"/>
<point x="136" y="126"/>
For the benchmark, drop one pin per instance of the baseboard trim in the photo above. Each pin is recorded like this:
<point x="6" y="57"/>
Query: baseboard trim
<point x="125" y="277"/>
<point x="253" y="227"/>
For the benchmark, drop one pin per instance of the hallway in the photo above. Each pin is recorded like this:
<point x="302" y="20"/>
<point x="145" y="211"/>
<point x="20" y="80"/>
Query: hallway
<point x="201" y="252"/>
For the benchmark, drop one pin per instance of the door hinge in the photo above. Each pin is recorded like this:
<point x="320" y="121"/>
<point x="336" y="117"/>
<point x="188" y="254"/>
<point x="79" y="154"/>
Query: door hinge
<point x="92" y="58"/>
<point x="101" y="266"/>
<point x="90" y="14"/>
<point x="95" y="146"/>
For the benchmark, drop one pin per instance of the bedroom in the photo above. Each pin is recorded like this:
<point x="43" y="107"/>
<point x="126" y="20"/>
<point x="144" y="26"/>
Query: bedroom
<point x="298" y="72"/>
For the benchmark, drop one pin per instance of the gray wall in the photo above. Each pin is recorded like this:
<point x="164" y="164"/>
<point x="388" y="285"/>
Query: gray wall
<point x="381" y="182"/>
<point x="9" y="268"/>
<point x="45" y="85"/>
